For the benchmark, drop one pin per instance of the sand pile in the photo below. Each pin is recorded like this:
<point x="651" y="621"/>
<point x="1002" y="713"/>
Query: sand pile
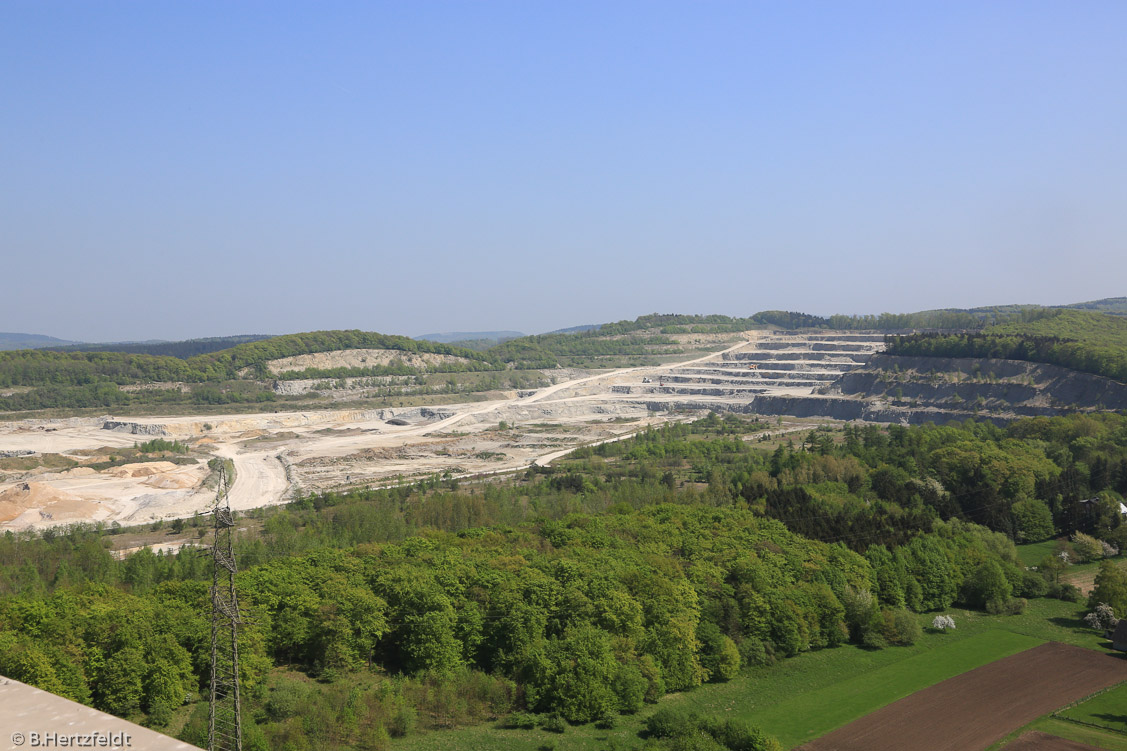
<point x="51" y="503"/>
<point x="173" y="481"/>
<point x="141" y="469"/>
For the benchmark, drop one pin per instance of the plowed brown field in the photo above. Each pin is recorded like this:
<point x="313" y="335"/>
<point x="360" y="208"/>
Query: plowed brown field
<point x="979" y="707"/>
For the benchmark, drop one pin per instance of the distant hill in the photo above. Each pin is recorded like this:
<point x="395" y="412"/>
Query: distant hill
<point x="578" y="329"/>
<point x="29" y="341"/>
<point x="181" y="350"/>
<point x="1116" y="306"/>
<point x="470" y="336"/>
<point x="1077" y="339"/>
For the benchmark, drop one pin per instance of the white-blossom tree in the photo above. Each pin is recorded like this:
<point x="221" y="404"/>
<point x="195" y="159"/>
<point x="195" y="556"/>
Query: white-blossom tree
<point x="1102" y="618"/>
<point x="943" y="623"/>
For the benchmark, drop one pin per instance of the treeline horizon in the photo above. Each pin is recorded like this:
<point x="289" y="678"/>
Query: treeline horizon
<point x="65" y="378"/>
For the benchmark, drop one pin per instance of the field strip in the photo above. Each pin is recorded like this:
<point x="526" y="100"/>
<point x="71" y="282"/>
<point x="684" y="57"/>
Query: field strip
<point x="810" y="715"/>
<point x="979" y="707"/>
<point x="1070" y="731"/>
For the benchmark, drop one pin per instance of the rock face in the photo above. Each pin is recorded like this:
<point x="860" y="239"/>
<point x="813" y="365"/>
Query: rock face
<point x="844" y="376"/>
<point x="834" y="408"/>
<point x="1013" y="386"/>
<point x="136" y="428"/>
<point x="363" y="358"/>
<point x="775" y="363"/>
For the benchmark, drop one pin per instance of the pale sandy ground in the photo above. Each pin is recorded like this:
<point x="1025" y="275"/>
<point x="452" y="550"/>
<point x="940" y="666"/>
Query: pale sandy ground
<point x="276" y="454"/>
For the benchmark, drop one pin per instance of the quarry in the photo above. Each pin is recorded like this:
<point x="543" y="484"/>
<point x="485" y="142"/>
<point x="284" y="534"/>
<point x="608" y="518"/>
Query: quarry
<point x="68" y="470"/>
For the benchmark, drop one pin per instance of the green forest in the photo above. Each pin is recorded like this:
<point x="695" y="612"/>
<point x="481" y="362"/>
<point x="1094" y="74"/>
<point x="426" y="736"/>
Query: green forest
<point x="577" y="593"/>
<point x="182" y="349"/>
<point x="1089" y="342"/>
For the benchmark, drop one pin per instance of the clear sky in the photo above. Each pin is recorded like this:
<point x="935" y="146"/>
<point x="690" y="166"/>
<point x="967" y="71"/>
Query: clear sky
<point x="184" y="169"/>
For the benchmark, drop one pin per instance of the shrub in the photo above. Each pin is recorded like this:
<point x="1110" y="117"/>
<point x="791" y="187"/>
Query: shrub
<point x="1067" y="592"/>
<point x="402" y="722"/>
<point x="1102" y="618"/>
<point x="1032" y="584"/>
<point x="667" y="723"/>
<point x="987" y="586"/>
<point x="286" y="700"/>
<point x="691" y="732"/>
<point x="755" y="652"/>
<point x="554" y="723"/>
<point x="1087" y="548"/>
<point x="943" y="623"/>
<point x="900" y="627"/>
<point x="520" y="721"/>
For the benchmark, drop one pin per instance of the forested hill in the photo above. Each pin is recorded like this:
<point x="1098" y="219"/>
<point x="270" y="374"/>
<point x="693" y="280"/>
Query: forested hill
<point x="1116" y="306"/>
<point x="182" y="349"/>
<point x="1081" y="340"/>
<point x="47" y="367"/>
<point x="12" y="340"/>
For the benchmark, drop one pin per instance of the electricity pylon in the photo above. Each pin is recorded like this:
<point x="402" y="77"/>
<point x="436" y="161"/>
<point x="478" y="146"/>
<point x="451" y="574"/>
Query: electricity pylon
<point x="224" y="723"/>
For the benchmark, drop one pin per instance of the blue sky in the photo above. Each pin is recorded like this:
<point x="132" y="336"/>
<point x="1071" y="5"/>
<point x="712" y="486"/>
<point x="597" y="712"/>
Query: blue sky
<point x="183" y="169"/>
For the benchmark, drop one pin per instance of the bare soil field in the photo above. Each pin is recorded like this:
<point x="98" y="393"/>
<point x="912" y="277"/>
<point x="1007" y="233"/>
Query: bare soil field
<point x="978" y="708"/>
<point x="1038" y="741"/>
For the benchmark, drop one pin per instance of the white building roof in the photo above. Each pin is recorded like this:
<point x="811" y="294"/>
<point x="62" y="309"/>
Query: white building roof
<point x="25" y="710"/>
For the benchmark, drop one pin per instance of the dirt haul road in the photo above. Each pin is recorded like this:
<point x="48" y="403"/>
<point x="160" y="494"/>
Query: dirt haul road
<point x="260" y="478"/>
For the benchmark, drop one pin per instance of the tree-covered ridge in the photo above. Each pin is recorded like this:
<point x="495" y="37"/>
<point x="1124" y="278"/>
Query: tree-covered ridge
<point x="872" y="485"/>
<point x="74" y="379"/>
<point x="182" y="349"/>
<point x="1089" y="342"/>
<point x="1116" y="306"/>
<point x="58" y="368"/>
<point x="253" y="354"/>
<point x="586" y="617"/>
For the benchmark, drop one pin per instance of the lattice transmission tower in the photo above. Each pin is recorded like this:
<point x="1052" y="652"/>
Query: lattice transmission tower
<point x="224" y="725"/>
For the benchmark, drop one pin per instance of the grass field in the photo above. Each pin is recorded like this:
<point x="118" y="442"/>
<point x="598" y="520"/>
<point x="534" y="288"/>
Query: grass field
<point x="1108" y="710"/>
<point x="1032" y="553"/>
<point x="807" y="716"/>
<point x="1095" y="737"/>
<point x="807" y="696"/>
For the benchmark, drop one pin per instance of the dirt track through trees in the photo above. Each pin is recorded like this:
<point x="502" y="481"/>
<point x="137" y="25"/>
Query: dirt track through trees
<point x="981" y="706"/>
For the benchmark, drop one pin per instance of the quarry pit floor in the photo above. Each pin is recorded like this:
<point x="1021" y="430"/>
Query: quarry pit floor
<point x="277" y="455"/>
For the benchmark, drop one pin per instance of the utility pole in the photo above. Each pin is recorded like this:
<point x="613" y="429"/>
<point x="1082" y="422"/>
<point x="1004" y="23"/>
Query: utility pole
<point x="224" y="723"/>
